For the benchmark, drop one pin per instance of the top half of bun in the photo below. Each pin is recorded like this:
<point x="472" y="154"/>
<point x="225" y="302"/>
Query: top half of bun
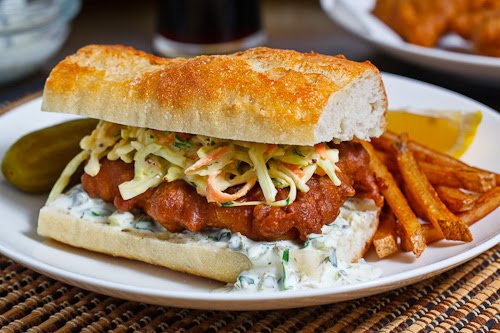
<point x="260" y="95"/>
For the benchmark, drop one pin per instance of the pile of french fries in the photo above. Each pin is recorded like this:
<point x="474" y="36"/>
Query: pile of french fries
<point x="420" y="183"/>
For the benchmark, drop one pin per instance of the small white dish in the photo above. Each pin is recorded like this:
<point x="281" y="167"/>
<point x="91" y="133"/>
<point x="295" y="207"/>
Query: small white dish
<point x="31" y="32"/>
<point x="146" y="283"/>
<point x="356" y="18"/>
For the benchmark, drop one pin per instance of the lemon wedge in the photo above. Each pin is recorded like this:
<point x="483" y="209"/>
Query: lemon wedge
<point x="446" y="131"/>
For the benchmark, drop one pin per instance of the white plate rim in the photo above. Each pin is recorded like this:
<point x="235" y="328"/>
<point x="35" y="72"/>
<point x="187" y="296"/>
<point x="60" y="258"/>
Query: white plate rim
<point x="230" y="299"/>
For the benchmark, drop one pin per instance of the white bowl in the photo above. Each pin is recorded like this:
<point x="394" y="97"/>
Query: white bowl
<point x="31" y="32"/>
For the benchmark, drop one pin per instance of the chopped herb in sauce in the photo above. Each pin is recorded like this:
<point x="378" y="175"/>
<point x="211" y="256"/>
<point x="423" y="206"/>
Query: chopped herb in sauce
<point x="297" y="152"/>
<point x="286" y="255"/>
<point x="280" y="265"/>
<point x="182" y="143"/>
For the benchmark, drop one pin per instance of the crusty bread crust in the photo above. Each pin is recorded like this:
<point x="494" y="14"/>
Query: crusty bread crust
<point x="198" y="258"/>
<point x="260" y="95"/>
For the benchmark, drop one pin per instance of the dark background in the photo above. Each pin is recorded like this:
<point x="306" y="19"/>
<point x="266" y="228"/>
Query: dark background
<point x="299" y="25"/>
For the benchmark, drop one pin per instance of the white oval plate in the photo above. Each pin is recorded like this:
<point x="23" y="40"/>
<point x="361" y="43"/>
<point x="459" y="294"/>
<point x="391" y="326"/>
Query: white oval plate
<point x="146" y="283"/>
<point x="355" y="17"/>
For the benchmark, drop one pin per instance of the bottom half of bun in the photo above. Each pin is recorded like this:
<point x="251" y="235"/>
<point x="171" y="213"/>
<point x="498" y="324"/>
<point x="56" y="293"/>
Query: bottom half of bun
<point x="207" y="259"/>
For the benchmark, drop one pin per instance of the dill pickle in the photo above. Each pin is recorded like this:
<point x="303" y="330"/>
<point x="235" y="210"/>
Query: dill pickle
<point x="36" y="160"/>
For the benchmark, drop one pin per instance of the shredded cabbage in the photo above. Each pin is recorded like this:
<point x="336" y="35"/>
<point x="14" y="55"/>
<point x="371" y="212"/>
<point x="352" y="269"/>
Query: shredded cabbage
<point x="65" y="176"/>
<point x="256" y="153"/>
<point x="210" y="165"/>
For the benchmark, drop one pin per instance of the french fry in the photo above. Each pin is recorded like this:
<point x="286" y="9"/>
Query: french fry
<point x="485" y="204"/>
<point x="456" y="200"/>
<point x="405" y="244"/>
<point x="385" y="239"/>
<point x="452" y="176"/>
<point x="472" y="180"/>
<point x="447" y="174"/>
<point x="431" y="234"/>
<point x="387" y="140"/>
<point x="388" y="160"/>
<point x="414" y="203"/>
<point x="410" y="227"/>
<point x="425" y="154"/>
<point x="426" y="197"/>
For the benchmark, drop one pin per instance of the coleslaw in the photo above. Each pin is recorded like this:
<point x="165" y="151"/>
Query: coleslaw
<point x="210" y="165"/>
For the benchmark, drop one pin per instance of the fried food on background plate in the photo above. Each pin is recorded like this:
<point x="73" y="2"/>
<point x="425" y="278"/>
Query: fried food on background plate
<point x="424" y="22"/>
<point x="473" y="15"/>
<point x="465" y="24"/>
<point x="420" y="22"/>
<point x="487" y="36"/>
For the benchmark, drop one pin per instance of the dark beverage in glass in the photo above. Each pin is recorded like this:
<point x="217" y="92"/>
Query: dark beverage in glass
<point x="192" y="27"/>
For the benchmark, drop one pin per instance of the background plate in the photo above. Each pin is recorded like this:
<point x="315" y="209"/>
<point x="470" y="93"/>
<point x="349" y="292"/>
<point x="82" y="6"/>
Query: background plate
<point x="146" y="283"/>
<point x="485" y="69"/>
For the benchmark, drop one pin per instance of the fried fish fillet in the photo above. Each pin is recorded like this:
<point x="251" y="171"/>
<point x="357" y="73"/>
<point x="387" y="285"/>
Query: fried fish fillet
<point x="177" y="206"/>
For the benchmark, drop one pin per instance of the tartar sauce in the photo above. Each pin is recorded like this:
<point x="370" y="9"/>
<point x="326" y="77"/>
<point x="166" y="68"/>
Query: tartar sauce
<point x="280" y="265"/>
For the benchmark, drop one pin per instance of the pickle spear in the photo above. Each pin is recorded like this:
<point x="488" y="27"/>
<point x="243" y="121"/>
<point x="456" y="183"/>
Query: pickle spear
<point x="36" y="160"/>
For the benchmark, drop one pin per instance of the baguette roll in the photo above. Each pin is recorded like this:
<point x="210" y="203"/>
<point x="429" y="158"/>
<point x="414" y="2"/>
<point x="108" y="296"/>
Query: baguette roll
<point x="257" y="96"/>
<point x="260" y="95"/>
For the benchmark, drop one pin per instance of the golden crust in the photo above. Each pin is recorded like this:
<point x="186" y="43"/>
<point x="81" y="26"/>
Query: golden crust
<point x="281" y="93"/>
